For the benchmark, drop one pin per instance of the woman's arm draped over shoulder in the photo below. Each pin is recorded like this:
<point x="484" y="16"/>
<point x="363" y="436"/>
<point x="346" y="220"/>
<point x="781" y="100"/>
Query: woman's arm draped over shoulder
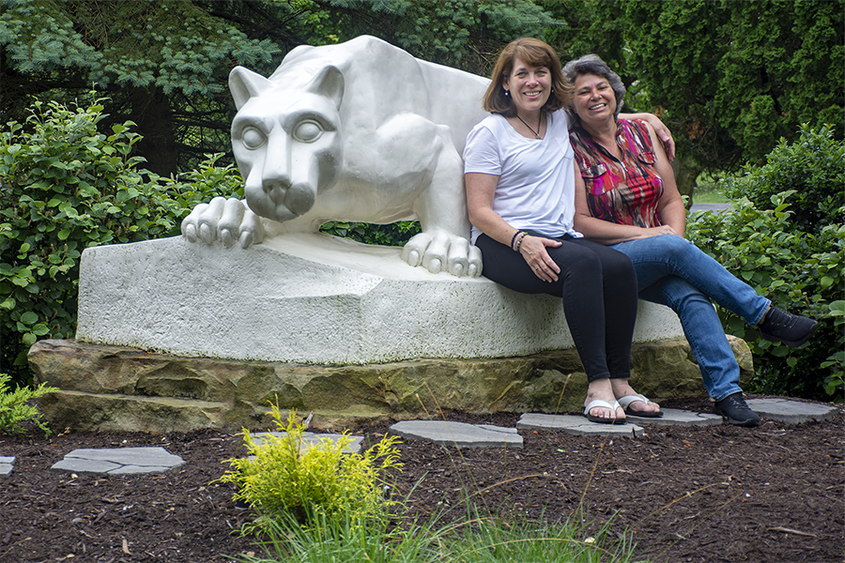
<point x="671" y="205"/>
<point x="663" y="133"/>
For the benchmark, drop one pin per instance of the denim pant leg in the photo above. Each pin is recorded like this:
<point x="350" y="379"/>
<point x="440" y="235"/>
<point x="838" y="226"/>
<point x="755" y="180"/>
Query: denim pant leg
<point x="703" y="331"/>
<point x="656" y="257"/>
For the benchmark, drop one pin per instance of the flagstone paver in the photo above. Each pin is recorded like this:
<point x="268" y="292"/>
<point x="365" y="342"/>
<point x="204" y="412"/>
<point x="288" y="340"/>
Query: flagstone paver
<point x="119" y="461"/>
<point x="353" y="447"/>
<point x="6" y="465"/>
<point x="576" y="424"/>
<point x="679" y="417"/>
<point x="458" y="434"/>
<point x="792" y="412"/>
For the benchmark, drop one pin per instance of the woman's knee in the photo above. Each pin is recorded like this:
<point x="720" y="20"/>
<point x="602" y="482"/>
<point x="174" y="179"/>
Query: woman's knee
<point x="619" y="265"/>
<point x="576" y="260"/>
<point x="678" y="248"/>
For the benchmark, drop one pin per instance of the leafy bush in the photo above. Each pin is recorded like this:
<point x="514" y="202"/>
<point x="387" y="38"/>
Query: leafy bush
<point x="315" y="482"/>
<point x="15" y="407"/>
<point x="65" y="186"/>
<point x="799" y="270"/>
<point x="394" y="234"/>
<point x="813" y="166"/>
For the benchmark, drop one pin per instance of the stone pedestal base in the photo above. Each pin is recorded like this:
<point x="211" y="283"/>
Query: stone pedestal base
<point x="313" y="299"/>
<point x="120" y="388"/>
<point x="178" y="336"/>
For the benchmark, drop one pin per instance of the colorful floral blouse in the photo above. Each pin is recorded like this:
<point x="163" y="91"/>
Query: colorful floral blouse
<point x="625" y="191"/>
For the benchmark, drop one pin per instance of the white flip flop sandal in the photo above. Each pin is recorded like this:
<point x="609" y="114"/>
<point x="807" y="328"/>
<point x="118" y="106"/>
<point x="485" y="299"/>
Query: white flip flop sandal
<point x="628" y="400"/>
<point x="603" y="404"/>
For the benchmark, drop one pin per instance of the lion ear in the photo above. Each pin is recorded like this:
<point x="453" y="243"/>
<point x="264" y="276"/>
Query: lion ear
<point x="328" y="83"/>
<point x="245" y="84"/>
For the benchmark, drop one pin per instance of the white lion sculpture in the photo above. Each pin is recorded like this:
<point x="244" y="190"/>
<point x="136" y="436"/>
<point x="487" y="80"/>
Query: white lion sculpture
<point x="359" y="131"/>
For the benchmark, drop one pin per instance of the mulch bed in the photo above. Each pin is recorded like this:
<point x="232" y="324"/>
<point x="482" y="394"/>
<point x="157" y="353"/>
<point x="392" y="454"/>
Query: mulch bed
<point x="700" y="494"/>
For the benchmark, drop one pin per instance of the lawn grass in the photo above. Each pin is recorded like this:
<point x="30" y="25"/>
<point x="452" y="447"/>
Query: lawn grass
<point x="708" y="195"/>
<point x="707" y="190"/>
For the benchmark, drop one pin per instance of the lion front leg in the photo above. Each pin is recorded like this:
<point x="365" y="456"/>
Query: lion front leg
<point x="444" y="245"/>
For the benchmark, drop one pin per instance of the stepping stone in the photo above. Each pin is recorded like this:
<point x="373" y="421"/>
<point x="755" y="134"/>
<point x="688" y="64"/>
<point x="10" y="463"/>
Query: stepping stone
<point x="6" y="465"/>
<point x="679" y="417"/>
<point x="458" y="434"/>
<point x="119" y="461"/>
<point x="793" y="412"/>
<point x="576" y="424"/>
<point x="354" y="446"/>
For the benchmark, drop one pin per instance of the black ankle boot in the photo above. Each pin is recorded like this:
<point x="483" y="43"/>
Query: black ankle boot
<point x="792" y="330"/>
<point x="735" y="410"/>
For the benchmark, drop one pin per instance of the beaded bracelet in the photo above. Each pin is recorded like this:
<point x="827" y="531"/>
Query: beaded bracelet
<point x="513" y="239"/>
<point x="519" y="242"/>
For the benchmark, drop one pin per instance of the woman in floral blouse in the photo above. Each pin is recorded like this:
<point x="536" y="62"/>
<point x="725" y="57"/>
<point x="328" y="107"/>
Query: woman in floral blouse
<point x="626" y="198"/>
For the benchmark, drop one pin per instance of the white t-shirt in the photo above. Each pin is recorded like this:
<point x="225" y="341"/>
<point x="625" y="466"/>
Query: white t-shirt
<point x="536" y="189"/>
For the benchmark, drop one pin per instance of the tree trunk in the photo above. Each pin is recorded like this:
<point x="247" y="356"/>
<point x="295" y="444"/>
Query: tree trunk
<point x="150" y="110"/>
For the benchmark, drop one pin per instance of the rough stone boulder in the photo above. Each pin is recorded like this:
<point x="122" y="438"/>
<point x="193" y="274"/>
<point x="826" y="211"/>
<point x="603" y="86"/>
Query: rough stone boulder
<point x="119" y="388"/>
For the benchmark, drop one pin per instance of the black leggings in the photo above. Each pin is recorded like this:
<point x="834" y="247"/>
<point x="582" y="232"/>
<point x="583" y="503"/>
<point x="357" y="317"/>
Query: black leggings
<point x="599" y="290"/>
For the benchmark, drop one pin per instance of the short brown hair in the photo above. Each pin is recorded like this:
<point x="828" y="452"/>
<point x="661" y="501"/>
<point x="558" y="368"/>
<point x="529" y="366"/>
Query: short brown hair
<point x="536" y="53"/>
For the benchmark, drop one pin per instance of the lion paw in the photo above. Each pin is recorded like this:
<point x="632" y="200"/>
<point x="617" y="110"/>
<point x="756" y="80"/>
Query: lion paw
<point x="443" y="253"/>
<point x="226" y="220"/>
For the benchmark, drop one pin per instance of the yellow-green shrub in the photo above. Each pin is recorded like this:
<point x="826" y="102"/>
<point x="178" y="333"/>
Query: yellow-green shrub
<point x="15" y="407"/>
<point x="316" y="482"/>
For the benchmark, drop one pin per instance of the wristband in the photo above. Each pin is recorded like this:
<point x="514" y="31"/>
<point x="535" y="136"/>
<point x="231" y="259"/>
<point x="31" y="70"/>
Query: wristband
<point x="519" y="242"/>
<point x="513" y="238"/>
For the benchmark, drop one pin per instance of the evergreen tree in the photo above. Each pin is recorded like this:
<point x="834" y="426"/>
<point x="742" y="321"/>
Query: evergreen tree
<point x="737" y="76"/>
<point x="164" y="65"/>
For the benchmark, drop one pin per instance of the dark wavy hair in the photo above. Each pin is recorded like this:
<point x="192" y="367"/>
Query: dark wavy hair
<point x="592" y="64"/>
<point x="536" y="53"/>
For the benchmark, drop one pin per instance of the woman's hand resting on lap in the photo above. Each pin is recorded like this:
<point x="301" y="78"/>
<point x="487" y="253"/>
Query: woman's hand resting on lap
<point x="533" y="249"/>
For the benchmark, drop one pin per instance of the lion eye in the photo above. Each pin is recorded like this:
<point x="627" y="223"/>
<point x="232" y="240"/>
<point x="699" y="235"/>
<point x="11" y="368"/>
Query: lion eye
<point x="307" y="131"/>
<point x="253" y="138"/>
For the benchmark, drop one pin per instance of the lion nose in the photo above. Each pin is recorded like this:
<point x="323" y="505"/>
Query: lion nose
<point x="276" y="170"/>
<point x="279" y="183"/>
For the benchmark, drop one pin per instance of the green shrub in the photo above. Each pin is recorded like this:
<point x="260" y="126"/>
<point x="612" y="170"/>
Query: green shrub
<point x="813" y="166"/>
<point x="799" y="272"/>
<point x="394" y="234"/>
<point x="315" y="482"/>
<point x="65" y="186"/>
<point x="15" y="407"/>
<point x="786" y="238"/>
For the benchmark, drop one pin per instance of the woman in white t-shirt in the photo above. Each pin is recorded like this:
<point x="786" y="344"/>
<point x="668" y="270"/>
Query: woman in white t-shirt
<point x="520" y="181"/>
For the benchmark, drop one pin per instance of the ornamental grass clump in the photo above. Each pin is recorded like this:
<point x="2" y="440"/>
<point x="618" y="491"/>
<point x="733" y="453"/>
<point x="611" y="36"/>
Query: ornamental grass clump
<point x="315" y="482"/>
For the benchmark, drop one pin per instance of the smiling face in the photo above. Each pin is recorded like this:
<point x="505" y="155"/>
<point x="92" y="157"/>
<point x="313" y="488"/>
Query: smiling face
<point x="529" y="87"/>
<point x="595" y="101"/>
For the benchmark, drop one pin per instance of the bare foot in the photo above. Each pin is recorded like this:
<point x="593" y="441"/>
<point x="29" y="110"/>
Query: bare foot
<point x="601" y="390"/>
<point x="621" y="388"/>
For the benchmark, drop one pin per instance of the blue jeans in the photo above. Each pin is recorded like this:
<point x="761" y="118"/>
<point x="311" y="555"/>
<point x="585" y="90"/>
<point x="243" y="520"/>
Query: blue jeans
<point x="674" y="272"/>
